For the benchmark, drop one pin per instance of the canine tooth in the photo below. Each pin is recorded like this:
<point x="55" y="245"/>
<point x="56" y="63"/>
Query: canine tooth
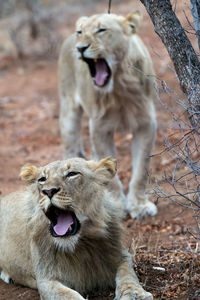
<point x="70" y="228"/>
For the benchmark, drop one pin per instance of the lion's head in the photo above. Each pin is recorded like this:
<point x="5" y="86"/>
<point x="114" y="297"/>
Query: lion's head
<point x="103" y="42"/>
<point x="70" y="193"/>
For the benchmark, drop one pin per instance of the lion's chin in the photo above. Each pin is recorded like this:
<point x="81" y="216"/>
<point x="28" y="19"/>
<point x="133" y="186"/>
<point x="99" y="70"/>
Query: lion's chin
<point x="63" y="223"/>
<point x="99" y="71"/>
<point x="67" y="245"/>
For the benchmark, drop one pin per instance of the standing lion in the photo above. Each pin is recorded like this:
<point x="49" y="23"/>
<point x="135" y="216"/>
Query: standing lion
<point x="106" y="71"/>
<point x="62" y="234"/>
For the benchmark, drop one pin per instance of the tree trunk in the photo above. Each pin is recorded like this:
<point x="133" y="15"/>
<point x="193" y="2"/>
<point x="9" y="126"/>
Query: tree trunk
<point x="195" y="9"/>
<point x="182" y="54"/>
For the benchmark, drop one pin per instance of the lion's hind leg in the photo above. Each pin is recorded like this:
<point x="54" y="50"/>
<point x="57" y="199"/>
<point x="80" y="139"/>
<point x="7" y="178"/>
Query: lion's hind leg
<point x="127" y="283"/>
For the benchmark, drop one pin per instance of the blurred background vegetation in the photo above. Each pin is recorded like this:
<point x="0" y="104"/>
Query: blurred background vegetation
<point x="36" y="28"/>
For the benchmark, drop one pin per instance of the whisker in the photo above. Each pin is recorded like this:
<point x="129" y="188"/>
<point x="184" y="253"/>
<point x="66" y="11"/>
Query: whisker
<point x="94" y="51"/>
<point x="63" y="199"/>
<point x="42" y="199"/>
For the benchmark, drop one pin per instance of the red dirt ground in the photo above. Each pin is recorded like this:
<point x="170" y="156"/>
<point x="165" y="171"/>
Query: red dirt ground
<point x="29" y="111"/>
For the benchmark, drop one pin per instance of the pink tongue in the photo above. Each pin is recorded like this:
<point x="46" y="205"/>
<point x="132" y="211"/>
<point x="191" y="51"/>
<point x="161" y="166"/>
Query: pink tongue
<point x="101" y="73"/>
<point x="63" y="223"/>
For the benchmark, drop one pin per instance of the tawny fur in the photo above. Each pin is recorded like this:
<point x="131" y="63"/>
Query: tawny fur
<point x="127" y="102"/>
<point x="68" y="267"/>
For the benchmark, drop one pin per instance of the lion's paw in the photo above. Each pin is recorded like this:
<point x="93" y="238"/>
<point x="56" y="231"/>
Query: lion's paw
<point x="5" y="277"/>
<point x="132" y="295"/>
<point x="147" y="208"/>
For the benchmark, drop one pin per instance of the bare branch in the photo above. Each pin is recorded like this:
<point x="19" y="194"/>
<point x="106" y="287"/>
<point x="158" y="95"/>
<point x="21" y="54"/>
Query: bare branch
<point x="109" y="6"/>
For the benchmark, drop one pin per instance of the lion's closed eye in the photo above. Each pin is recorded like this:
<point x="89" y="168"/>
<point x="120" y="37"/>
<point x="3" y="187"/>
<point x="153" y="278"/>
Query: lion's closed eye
<point x="79" y="32"/>
<point x="42" y="180"/>
<point x="72" y="174"/>
<point x="100" y="30"/>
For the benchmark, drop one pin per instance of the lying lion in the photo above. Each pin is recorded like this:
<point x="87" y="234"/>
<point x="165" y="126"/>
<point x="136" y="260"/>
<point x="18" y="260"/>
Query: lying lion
<point x="62" y="234"/>
<point x="106" y="71"/>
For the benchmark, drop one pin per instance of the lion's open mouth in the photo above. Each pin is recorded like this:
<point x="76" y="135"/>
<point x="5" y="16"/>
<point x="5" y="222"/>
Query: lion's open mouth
<point x="63" y="223"/>
<point x="99" y="70"/>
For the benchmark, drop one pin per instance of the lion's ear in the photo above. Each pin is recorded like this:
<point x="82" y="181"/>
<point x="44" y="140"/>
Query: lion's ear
<point x="29" y="174"/>
<point x="105" y="169"/>
<point x="134" y="19"/>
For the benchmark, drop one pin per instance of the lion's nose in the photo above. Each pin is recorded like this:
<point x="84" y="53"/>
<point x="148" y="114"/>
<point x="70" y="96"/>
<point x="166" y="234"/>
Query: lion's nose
<point x="51" y="192"/>
<point x="82" y="49"/>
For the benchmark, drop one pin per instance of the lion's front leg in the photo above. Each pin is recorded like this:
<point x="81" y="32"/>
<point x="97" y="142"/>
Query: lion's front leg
<point x="48" y="287"/>
<point x="70" y="127"/>
<point x="127" y="283"/>
<point x="54" y="290"/>
<point x="103" y="145"/>
<point x="137" y="203"/>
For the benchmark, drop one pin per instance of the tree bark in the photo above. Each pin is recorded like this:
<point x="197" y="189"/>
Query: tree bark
<point x="182" y="54"/>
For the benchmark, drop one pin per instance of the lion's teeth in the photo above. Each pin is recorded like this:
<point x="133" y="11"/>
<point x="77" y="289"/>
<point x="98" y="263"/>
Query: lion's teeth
<point x="70" y="228"/>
